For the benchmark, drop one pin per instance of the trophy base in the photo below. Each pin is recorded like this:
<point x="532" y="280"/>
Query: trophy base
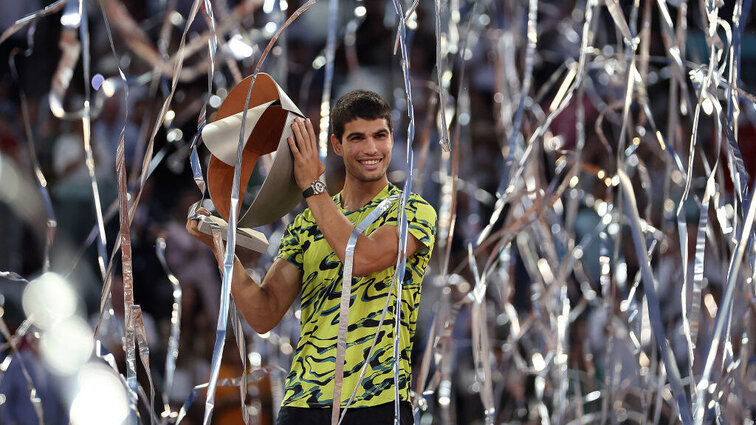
<point x="245" y="238"/>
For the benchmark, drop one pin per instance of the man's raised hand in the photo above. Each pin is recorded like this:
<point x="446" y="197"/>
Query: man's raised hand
<point x="304" y="149"/>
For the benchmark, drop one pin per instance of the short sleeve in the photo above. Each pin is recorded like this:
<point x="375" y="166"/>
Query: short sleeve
<point x="290" y="248"/>
<point x="421" y="222"/>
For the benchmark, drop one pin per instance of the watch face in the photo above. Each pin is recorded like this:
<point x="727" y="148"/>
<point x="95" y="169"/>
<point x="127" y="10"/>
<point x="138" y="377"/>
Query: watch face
<point x="319" y="187"/>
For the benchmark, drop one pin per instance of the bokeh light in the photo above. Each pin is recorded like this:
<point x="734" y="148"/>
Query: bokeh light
<point x="67" y="345"/>
<point x="239" y="48"/>
<point x="49" y="299"/>
<point x="101" y="399"/>
<point x="97" y="81"/>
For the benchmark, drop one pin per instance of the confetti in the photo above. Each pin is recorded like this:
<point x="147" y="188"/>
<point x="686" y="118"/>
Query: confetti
<point x="589" y="163"/>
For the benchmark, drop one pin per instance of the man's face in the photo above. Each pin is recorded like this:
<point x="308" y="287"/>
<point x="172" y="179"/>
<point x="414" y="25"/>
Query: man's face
<point x="366" y="148"/>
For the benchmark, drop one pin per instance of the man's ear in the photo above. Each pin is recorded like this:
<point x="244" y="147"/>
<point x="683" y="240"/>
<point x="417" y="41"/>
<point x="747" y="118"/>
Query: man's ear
<point x="336" y="145"/>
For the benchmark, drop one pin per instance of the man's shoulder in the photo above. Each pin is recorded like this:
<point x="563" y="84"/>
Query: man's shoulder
<point x="414" y="198"/>
<point x="304" y="218"/>
<point x="419" y="205"/>
<point x="416" y="204"/>
<point x="300" y="229"/>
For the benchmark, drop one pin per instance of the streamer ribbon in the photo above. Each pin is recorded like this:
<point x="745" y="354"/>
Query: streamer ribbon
<point x="346" y="295"/>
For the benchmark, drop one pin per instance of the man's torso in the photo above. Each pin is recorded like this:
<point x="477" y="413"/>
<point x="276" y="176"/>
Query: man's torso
<point x="310" y="382"/>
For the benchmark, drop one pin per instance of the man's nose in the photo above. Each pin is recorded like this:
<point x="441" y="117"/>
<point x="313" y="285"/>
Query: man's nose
<point x="371" y="145"/>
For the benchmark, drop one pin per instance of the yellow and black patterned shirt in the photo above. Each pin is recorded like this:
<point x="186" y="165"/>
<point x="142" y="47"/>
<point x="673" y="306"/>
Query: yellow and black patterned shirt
<point x="310" y="381"/>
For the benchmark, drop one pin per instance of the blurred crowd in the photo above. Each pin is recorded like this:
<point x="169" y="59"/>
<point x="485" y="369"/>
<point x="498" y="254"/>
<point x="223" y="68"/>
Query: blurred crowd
<point x="35" y="143"/>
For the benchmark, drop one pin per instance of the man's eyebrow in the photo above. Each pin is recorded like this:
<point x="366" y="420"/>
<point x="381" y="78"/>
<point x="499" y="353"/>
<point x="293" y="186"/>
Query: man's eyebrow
<point x="355" y="134"/>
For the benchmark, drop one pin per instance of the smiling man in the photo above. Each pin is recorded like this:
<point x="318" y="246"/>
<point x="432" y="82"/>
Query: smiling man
<point x="311" y="260"/>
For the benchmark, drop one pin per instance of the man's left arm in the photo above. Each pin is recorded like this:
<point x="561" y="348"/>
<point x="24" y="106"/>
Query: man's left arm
<point x="373" y="252"/>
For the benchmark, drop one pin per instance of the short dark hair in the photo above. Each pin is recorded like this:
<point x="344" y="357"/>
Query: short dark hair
<point x="363" y="104"/>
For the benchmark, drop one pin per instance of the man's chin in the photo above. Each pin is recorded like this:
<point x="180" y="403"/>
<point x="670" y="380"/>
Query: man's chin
<point x="366" y="176"/>
<point x="370" y="178"/>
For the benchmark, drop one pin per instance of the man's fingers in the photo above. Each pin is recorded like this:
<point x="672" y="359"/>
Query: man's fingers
<point x="301" y="137"/>
<point x="293" y="147"/>
<point x="192" y="226"/>
<point x="311" y="134"/>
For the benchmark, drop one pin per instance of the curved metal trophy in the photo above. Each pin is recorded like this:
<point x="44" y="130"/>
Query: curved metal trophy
<point x="270" y="114"/>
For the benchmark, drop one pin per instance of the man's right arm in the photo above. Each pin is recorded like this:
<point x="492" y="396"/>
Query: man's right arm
<point x="262" y="305"/>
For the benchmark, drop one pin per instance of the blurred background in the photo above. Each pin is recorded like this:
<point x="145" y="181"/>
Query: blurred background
<point x="519" y="117"/>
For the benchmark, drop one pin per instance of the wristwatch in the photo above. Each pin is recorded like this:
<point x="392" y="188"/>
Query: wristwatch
<point x="316" y="188"/>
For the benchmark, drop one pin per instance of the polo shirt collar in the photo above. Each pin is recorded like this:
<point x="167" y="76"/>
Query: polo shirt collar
<point x="383" y="194"/>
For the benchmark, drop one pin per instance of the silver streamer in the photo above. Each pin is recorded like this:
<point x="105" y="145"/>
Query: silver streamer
<point x="401" y="215"/>
<point x="242" y="345"/>
<point x="587" y="291"/>
<point x="228" y="258"/>
<point x="440" y="68"/>
<point x="325" y="102"/>
<point x="220" y="330"/>
<point x="75" y="18"/>
<point x="38" y="174"/>
<point x="480" y="340"/>
<point x="649" y="286"/>
<point x="173" y="340"/>
<point x="15" y="356"/>
<point x="346" y="293"/>
<point x="253" y="376"/>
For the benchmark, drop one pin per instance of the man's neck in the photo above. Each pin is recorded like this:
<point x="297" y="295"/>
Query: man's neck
<point x="357" y="194"/>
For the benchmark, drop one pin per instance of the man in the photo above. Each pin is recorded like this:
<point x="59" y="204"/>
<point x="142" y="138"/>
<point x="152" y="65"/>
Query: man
<point x="311" y="260"/>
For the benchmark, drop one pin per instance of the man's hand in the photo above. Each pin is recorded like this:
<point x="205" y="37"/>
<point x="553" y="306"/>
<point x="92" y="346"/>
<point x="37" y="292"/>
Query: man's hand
<point x="263" y="305"/>
<point x="304" y="149"/>
<point x="192" y="226"/>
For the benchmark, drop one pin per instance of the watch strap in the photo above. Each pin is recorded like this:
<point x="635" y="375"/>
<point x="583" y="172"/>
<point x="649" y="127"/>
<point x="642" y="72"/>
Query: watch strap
<point x="313" y="189"/>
